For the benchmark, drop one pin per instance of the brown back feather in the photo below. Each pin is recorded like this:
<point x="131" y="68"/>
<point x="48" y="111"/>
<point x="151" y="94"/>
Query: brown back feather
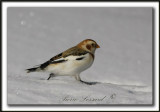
<point x="74" y="51"/>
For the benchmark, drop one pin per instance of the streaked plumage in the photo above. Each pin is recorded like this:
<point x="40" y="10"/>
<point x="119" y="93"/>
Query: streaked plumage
<point x="70" y="62"/>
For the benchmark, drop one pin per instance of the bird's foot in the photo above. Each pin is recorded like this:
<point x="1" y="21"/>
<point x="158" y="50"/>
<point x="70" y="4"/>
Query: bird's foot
<point x="88" y="83"/>
<point x="51" y="75"/>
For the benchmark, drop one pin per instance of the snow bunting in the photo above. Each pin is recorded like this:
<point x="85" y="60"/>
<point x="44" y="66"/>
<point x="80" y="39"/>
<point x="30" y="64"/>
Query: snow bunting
<point x="70" y="62"/>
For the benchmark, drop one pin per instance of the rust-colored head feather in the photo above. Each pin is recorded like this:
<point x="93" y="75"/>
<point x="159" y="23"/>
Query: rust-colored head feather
<point x="88" y="45"/>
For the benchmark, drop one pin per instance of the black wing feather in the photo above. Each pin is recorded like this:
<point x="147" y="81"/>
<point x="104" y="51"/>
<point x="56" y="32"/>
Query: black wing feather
<point x="80" y="58"/>
<point x="44" y="65"/>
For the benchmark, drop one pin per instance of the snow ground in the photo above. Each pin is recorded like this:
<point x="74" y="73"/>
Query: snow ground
<point x="123" y="64"/>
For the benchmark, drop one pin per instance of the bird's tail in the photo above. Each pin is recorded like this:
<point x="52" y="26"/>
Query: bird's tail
<point x="35" y="69"/>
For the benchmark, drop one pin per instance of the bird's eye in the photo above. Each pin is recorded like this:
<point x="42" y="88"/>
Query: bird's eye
<point x="93" y="45"/>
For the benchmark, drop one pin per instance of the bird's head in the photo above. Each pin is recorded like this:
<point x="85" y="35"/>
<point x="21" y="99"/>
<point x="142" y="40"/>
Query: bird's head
<point x="88" y="45"/>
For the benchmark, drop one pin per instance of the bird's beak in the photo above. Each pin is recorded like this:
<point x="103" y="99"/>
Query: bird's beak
<point x="97" y="46"/>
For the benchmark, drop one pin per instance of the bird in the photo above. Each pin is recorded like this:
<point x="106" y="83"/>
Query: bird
<point x="71" y="62"/>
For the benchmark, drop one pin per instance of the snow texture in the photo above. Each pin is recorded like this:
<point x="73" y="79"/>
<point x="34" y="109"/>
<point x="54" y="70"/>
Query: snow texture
<point x="122" y="66"/>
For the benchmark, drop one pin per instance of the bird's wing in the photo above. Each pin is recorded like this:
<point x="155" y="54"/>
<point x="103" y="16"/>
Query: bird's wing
<point x="74" y="51"/>
<point x="61" y="58"/>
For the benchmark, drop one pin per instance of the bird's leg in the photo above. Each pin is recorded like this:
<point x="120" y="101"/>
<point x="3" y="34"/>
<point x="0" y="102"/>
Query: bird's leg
<point x="51" y="75"/>
<point x="79" y="79"/>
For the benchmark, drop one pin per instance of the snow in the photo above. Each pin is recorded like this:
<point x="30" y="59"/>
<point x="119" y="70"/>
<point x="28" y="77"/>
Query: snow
<point x="122" y="66"/>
